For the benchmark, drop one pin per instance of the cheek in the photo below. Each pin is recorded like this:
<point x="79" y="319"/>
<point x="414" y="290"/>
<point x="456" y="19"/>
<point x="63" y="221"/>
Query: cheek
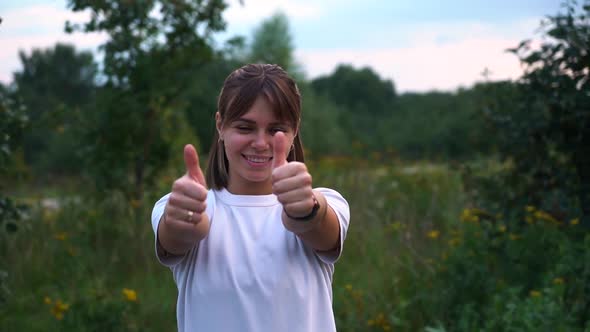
<point x="235" y="144"/>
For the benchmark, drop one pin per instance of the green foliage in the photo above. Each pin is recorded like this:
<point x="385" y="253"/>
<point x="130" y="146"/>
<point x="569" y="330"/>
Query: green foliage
<point x="76" y="272"/>
<point x="54" y="85"/>
<point x="494" y="278"/>
<point x="199" y="102"/>
<point x="321" y="134"/>
<point x="361" y="90"/>
<point x="13" y="122"/>
<point x="527" y="267"/>
<point x="545" y="135"/>
<point x="439" y="125"/>
<point x="272" y="42"/>
<point x="411" y="260"/>
<point x="153" y="51"/>
<point x="363" y="99"/>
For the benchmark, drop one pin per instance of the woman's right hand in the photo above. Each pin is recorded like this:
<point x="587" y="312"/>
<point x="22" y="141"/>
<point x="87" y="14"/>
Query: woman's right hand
<point x="185" y="222"/>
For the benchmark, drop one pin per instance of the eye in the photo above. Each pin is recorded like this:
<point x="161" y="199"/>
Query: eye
<point x="243" y="128"/>
<point x="277" y="129"/>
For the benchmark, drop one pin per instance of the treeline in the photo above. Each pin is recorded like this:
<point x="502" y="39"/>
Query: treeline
<point x="79" y="112"/>
<point x="122" y="120"/>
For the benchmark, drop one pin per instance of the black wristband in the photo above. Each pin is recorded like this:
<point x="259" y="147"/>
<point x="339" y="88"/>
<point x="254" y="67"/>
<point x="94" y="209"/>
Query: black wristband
<point x="311" y="215"/>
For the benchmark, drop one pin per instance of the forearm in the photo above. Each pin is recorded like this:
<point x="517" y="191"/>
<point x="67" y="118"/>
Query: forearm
<point x="321" y="233"/>
<point x="180" y="238"/>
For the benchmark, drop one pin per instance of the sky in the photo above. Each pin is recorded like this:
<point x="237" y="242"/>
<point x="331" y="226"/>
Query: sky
<point x="421" y="45"/>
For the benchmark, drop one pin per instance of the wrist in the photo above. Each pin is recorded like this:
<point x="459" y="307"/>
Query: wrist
<point x="310" y="216"/>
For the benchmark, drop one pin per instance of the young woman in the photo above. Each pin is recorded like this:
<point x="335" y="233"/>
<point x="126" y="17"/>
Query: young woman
<point x="251" y="243"/>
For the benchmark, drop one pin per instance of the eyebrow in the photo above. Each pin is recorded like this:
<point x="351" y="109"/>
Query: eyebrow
<point x="254" y="122"/>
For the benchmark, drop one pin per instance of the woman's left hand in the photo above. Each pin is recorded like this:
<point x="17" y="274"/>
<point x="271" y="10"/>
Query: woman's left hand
<point x="292" y="184"/>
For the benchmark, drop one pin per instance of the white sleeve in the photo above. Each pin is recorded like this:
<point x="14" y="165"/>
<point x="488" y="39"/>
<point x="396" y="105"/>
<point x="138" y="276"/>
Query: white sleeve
<point x="342" y="210"/>
<point x="157" y="213"/>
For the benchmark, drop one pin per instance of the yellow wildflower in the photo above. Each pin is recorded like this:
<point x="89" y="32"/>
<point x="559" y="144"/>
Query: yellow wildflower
<point x="376" y="155"/>
<point x="72" y="251"/>
<point x="433" y="234"/>
<point x="348" y="287"/>
<point x="530" y="208"/>
<point x="575" y="221"/>
<point x="558" y="281"/>
<point x="455" y="232"/>
<point x="542" y="215"/>
<point x="130" y="295"/>
<point x="58" y="308"/>
<point x="61" y="236"/>
<point x="62" y="306"/>
<point x="454" y="242"/>
<point x="502" y="228"/>
<point x="395" y="226"/>
<point x="535" y="293"/>
<point x="466" y="215"/>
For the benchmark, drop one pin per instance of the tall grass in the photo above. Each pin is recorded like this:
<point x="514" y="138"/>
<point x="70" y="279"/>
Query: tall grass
<point x="414" y="259"/>
<point x="398" y="215"/>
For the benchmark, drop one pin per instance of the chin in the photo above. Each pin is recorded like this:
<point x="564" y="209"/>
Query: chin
<point x="258" y="179"/>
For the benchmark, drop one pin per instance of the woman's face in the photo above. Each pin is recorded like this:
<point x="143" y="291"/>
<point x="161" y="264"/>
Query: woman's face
<point x="248" y="145"/>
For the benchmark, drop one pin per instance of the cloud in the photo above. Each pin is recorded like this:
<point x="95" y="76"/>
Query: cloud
<point x="253" y="11"/>
<point x="424" y="67"/>
<point x="39" y="18"/>
<point x="432" y="56"/>
<point x="39" y="26"/>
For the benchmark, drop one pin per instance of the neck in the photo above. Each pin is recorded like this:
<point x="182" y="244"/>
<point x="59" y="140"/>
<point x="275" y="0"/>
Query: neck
<point x="264" y="188"/>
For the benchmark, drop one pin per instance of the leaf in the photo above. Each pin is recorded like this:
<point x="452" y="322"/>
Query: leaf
<point x="11" y="227"/>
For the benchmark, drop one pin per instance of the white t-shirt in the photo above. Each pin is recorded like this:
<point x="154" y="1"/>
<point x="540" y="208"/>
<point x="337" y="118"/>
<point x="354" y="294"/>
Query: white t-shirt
<point x="250" y="273"/>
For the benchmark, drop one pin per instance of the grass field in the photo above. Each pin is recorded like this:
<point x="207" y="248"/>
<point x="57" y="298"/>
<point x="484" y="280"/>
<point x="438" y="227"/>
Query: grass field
<point x="417" y="257"/>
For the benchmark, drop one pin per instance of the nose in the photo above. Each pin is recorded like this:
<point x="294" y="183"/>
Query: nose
<point x="261" y="141"/>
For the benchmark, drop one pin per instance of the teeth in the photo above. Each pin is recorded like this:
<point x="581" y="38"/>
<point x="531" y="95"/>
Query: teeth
<point x="257" y="159"/>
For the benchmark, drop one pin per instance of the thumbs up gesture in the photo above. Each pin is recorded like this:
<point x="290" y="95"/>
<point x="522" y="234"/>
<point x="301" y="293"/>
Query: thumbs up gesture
<point x="186" y="203"/>
<point x="291" y="182"/>
<point x="185" y="222"/>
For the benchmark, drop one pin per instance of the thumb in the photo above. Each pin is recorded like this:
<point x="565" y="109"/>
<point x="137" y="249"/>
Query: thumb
<point x="279" y="156"/>
<point x="191" y="161"/>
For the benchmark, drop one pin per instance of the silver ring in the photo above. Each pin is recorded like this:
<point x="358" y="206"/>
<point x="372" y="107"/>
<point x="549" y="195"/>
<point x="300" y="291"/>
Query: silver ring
<point x="190" y="215"/>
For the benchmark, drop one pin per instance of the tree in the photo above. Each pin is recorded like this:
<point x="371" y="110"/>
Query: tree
<point x="363" y="98"/>
<point x="547" y="134"/>
<point x="13" y="122"/>
<point x="272" y="43"/>
<point x="360" y="90"/>
<point x="154" y="48"/>
<point x="55" y="84"/>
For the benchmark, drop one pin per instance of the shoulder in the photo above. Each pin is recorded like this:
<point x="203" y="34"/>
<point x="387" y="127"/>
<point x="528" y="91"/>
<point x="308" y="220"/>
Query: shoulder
<point x="333" y="197"/>
<point x="338" y="203"/>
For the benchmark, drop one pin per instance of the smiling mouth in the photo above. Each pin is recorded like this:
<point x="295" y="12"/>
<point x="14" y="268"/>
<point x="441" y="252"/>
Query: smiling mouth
<point x="257" y="159"/>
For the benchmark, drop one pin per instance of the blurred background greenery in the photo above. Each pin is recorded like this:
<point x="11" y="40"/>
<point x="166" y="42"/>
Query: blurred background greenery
<point x="470" y="209"/>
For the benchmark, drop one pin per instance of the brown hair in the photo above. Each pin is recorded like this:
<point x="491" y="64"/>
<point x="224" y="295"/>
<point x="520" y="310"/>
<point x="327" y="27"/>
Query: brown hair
<point x="239" y="92"/>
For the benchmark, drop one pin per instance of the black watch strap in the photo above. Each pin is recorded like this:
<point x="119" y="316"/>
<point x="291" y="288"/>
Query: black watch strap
<point x="311" y="215"/>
